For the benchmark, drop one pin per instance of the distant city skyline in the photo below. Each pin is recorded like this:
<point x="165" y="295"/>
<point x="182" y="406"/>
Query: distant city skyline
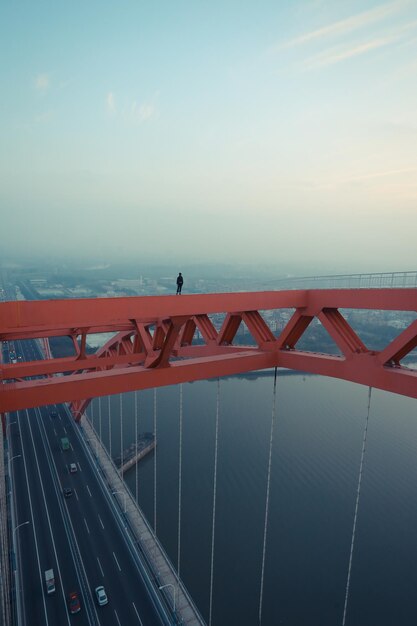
<point x="281" y="133"/>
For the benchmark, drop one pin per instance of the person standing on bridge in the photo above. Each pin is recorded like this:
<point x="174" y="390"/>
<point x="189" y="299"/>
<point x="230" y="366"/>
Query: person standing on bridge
<point x="180" y="282"/>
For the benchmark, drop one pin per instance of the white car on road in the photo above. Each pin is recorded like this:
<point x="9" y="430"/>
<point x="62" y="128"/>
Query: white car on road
<point x="102" y="598"/>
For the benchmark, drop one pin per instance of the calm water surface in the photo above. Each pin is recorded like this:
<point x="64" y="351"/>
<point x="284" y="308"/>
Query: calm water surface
<point x="316" y="455"/>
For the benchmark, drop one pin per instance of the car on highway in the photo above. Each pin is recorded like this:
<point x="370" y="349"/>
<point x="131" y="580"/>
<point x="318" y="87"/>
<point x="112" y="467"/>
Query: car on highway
<point x="101" y="595"/>
<point x="72" y="468"/>
<point x="67" y="492"/>
<point x="74" y="602"/>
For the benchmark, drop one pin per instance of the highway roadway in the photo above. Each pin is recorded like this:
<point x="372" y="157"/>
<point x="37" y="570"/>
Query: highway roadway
<point x="81" y="537"/>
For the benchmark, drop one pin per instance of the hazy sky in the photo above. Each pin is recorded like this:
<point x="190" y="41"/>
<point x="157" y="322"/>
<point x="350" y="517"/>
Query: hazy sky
<point x="211" y="130"/>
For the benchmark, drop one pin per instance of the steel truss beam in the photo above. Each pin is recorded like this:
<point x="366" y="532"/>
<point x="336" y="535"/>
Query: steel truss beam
<point x="159" y="341"/>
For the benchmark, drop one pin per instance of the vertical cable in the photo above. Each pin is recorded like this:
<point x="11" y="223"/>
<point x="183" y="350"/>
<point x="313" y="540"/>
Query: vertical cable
<point x="136" y="439"/>
<point x="358" y="493"/>
<point x="110" y="433"/>
<point x="154" y="461"/>
<point x="93" y="425"/>
<point x="179" y="491"/>
<point x="99" y="417"/>
<point x="213" y="524"/>
<point x="121" y="435"/>
<point x="268" y="486"/>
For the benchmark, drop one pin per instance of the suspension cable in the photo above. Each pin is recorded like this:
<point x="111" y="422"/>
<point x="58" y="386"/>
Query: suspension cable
<point x="216" y="447"/>
<point x="268" y="486"/>
<point x="93" y="425"/>
<point x="154" y="461"/>
<point x="110" y="433"/>
<point x="121" y="435"/>
<point x="136" y="439"/>
<point x="179" y="490"/>
<point x="358" y="492"/>
<point x="99" y="417"/>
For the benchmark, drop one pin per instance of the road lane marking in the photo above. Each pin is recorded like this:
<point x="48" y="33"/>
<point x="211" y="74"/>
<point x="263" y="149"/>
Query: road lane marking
<point x="117" y="617"/>
<point x="88" y="489"/>
<point x="136" y="611"/>
<point x="120" y="569"/>
<point x="102" y="525"/>
<point x="101" y="569"/>
<point x="79" y="466"/>
<point x="32" y="519"/>
<point x="73" y="543"/>
<point x="65" y="431"/>
<point x="71" y="447"/>
<point x="56" y="434"/>
<point x="76" y="494"/>
<point x="86" y="525"/>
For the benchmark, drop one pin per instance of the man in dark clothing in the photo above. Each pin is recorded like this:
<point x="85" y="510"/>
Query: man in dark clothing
<point x="180" y="282"/>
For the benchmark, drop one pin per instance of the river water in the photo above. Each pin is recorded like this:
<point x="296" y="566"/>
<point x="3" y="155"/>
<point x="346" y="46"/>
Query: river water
<point x="314" y="476"/>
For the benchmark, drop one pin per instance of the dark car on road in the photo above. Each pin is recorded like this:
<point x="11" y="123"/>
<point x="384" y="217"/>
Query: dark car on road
<point x="74" y="602"/>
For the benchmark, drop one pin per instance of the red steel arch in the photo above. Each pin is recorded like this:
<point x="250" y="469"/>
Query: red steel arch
<point x="154" y="342"/>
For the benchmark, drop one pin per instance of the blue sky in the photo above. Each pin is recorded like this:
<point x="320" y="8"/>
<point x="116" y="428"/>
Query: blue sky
<point x="199" y="131"/>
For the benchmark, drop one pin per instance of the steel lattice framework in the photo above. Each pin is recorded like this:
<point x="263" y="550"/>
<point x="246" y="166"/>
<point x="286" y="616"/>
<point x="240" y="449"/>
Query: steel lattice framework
<point x="166" y="340"/>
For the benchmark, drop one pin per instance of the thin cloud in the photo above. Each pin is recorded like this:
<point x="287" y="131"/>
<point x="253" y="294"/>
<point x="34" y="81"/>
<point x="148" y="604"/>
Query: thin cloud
<point x="143" y="112"/>
<point x="133" y="111"/>
<point x="335" y="55"/>
<point x="42" y="82"/>
<point x="45" y="117"/>
<point x="384" y="174"/>
<point x="367" y="177"/>
<point x="110" y="103"/>
<point x="332" y="56"/>
<point x="403" y="34"/>
<point x="349" y="24"/>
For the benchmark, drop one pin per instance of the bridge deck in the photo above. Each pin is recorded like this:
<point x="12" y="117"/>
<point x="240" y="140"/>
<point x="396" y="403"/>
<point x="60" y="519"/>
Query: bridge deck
<point x="164" y="571"/>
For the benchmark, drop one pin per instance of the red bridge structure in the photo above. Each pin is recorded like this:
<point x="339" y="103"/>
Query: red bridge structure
<point x="166" y="340"/>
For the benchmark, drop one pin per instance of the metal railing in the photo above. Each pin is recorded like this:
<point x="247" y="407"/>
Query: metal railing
<point x="376" y="280"/>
